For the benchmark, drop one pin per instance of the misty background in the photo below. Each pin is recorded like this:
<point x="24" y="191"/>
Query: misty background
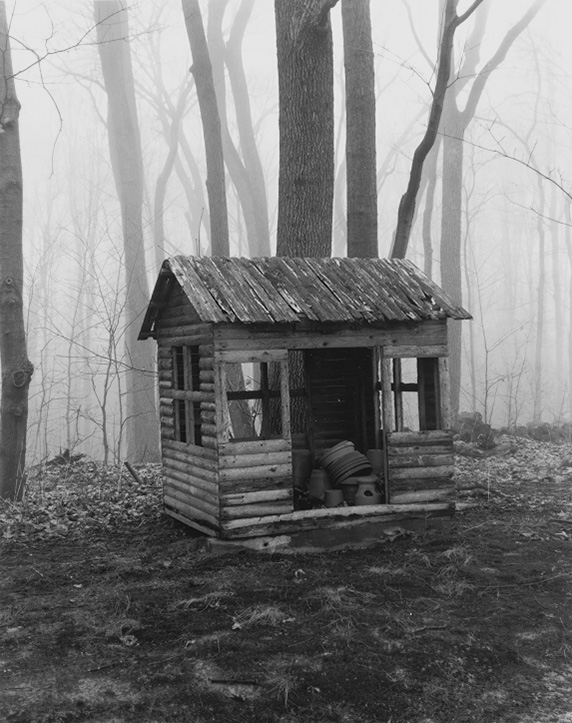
<point x="516" y="235"/>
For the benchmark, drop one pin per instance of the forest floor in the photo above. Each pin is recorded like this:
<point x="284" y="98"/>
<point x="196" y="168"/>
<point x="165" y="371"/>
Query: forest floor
<point x="111" y="613"/>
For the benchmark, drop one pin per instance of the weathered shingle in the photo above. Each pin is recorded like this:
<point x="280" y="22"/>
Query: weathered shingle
<point x="286" y="290"/>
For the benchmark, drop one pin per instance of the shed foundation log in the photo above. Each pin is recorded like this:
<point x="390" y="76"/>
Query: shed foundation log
<point x="260" y="510"/>
<point x="313" y="519"/>
<point x="407" y="473"/>
<point x="190" y="512"/>
<point x="440" y="494"/>
<point x="200" y="525"/>
<point x="421" y="460"/>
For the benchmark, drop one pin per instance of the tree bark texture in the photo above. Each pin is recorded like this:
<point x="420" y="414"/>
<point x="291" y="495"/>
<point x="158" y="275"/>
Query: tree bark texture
<point x="203" y="75"/>
<point x="360" y="129"/>
<point x="126" y="161"/>
<point x="14" y="363"/>
<point x="306" y="127"/>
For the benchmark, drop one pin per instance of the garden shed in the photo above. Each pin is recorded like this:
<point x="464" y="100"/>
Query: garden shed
<point x="266" y="364"/>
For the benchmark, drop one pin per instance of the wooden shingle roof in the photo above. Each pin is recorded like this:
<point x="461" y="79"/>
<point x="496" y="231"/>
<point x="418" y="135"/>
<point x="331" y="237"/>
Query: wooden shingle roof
<point x="288" y="290"/>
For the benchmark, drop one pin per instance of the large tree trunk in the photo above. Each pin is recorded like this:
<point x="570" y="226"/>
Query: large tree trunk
<point x="203" y="75"/>
<point x="360" y="129"/>
<point x="126" y="160"/>
<point x="306" y="126"/>
<point x="16" y="368"/>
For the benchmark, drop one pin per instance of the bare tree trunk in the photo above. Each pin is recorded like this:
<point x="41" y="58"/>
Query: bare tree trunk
<point x="14" y="363"/>
<point x="126" y="160"/>
<point x="558" y="328"/>
<point x="360" y="129"/>
<point x="430" y="174"/>
<point x="165" y="174"/>
<point x="306" y="127"/>
<point x="406" y="211"/>
<point x="455" y="124"/>
<point x="250" y="154"/>
<point x="568" y="241"/>
<point x="203" y="75"/>
<point x="538" y="346"/>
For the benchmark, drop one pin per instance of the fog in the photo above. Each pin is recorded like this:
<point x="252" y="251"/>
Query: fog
<point x="516" y="245"/>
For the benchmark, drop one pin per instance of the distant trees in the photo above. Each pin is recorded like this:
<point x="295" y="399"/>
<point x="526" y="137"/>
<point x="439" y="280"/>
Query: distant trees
<point x="455" y="123"/>
<point x="406" y="210"/>
<point x="203" y="75"/>
<point x="127" y="163"/>
<point x="14" y="363"/>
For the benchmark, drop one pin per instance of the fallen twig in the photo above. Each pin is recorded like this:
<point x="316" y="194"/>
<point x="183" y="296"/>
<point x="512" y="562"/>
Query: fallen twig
<point x="133" y="473"/>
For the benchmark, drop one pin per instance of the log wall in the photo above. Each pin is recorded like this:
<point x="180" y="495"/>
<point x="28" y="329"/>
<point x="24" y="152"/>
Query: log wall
<point x="420" y="466"/>
<point x="242" y="489"/>
<point x="190" y="471"/>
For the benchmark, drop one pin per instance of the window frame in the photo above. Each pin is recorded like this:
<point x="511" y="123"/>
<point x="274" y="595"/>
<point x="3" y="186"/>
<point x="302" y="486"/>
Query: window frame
<point x="186" y="378"/>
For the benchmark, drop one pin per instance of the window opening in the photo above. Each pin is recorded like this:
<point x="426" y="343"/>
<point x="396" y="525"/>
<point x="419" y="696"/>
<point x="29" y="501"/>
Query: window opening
<point x="186" y="378"/>
<point x="254" y="401"/>
<point x="416" y="394"/>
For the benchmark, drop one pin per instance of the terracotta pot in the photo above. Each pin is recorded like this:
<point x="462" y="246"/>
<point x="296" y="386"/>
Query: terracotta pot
<point x="367" y="493"/>
<point x="349" y="487"/>
<point x="334" y="498"/>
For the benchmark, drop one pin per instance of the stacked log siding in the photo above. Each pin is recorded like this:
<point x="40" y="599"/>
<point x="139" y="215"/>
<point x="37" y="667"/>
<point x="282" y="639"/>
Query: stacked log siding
<point x="335" y="330"/>
<point x="420" y="466"/>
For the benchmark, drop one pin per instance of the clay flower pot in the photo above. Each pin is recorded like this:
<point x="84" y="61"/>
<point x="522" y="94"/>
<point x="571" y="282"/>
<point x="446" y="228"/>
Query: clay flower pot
<point x="367" y="493"/>
<point x="349" y="488"/>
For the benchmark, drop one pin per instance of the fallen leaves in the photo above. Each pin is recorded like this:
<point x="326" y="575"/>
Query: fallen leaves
<point x="81" y="497"/>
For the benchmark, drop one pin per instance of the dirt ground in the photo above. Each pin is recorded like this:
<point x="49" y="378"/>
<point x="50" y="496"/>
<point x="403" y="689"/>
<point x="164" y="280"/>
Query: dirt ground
<point x="110" y="613"/>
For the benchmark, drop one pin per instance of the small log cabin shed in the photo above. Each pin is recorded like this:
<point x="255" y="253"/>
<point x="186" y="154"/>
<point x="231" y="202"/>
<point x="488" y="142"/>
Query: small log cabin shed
<point x="264" y="360"/>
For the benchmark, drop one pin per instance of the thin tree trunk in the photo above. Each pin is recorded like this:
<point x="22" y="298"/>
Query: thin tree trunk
<point x="306" y="127"/>
<point x="554" y="234"/>
<point x="406" y="210"/>
<point x="203" y="75"/>
<point x="250" y="154"/>
<point x="14" y="363"/>
<point x="360" y="129"/>
<point x="455" y="124"/>
<point x="541" y="232"/>
<point x="258" y="237"/>
<point x="165" y="174"/>
<point x="126" y="160"/>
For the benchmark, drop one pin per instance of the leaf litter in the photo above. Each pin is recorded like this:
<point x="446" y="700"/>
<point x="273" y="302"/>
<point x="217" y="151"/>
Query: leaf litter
<point x="111" y="612"/>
